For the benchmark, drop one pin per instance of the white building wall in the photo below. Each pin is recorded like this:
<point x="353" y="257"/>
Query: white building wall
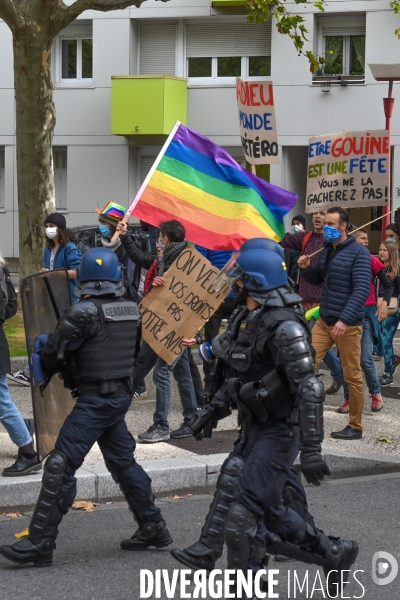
<point x="103" y="167"/>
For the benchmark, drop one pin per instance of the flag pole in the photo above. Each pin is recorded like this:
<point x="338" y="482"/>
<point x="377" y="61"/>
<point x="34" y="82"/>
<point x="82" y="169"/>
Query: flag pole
<point x="358" y="228"/>
<point x="148" y="177"/>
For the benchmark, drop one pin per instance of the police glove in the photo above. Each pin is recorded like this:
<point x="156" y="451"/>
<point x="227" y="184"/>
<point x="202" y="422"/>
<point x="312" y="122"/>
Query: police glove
<point x="313" y="466"/>
<point x="200" y="420"/>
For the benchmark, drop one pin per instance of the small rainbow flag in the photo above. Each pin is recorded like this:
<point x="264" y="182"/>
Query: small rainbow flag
<point x="220" y="204"/>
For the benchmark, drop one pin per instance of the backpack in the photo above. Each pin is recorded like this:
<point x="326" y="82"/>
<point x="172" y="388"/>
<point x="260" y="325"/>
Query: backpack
<point x="9" y="292"/>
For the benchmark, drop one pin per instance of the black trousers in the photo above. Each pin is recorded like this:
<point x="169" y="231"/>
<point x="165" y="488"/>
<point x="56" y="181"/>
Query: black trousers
<point x="102" y="419"/>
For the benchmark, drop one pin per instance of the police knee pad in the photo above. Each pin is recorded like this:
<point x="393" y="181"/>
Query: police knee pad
<point x="240" y="527"/>
<point x="294" y="500"/>
<point x="231" y="471"/>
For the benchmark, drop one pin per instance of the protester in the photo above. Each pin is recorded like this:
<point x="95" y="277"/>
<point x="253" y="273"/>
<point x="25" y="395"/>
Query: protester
<point x="393" y="233"/>
<point x="371" y="330"/>
<point x="308" y="243"/>
<point x="343" y="269"/>
<point x="109" y="217"/>
<point x="218" y="259"/>
<point x="389" y="255"/>
<point x="60" y="252"/>
<point x="171" y="243"/>
<point x="19" y="430"/>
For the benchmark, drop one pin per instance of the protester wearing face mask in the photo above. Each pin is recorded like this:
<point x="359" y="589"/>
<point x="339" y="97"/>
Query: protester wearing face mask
<point x="344" y="270"/>
<point x="60" y="253"/>
<point x="393" y="234"/>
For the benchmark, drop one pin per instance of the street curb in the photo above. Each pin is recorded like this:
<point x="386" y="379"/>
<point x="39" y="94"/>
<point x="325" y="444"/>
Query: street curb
<point x="186" y="475"/>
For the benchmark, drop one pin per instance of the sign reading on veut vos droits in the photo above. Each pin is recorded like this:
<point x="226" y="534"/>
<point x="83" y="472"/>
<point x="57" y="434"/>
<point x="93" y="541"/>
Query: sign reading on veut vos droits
<point x="257" y="121"/>
<point x="177" y="310"/>
<point x="349" y="169"/>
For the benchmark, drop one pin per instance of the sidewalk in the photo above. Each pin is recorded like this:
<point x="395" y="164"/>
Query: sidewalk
<point x="187" y="466"/>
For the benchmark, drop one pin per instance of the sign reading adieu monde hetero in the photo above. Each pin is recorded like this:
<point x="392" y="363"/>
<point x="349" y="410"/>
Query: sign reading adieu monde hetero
<point x="349" y="169"/>
<point x="257" y="121"/>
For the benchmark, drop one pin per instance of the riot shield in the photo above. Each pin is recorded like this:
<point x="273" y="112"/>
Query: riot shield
<point x="44" y="297"/>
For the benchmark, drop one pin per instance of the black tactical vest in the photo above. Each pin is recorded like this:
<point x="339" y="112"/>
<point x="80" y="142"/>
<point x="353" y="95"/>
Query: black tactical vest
<point x="249" y="359"/>
<point x="109" y="354"/>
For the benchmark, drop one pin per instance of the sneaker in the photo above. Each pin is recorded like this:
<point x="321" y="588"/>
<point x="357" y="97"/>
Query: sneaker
<point x="140" y="394"/>
<point x="396" y="361"/>
<point x="335" y="387"/>
<point x="154" y="434"/>
<point x="377" y="402"/>
<point x="386" y="379"/>
<point x="344" y="409"/>
<point x="19" y="377"/>
<point x="22" y="466"/>
<point x="182" y="431"/>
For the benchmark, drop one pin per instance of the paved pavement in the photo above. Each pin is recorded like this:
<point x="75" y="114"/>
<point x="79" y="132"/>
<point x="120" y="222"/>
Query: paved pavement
<point x="88" y="564"/>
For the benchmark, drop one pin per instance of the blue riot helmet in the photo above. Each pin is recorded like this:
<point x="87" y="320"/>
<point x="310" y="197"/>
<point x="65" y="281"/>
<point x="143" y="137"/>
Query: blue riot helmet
<point x="260" y="271"/>
<point x="99" y="274"/>
<point x="263" y="244"/>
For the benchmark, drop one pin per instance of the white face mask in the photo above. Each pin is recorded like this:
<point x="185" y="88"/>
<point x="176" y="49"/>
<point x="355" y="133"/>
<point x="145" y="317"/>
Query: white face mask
<point x="51" y="232"/>
<point x="297" y="228"/>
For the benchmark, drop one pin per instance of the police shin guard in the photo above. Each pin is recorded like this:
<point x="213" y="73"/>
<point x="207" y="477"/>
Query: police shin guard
<point x="240" y="529"/>
<point x="204" y="553"/>
<point x="50" y="508"/>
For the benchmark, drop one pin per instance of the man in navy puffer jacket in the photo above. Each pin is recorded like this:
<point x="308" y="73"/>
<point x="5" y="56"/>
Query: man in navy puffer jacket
<point x="344" y="268"/>
<point x="218" y="258"/>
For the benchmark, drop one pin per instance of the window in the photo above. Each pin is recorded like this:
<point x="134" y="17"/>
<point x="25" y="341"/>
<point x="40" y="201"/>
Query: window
<point x="60" y="164"/>
<point x="217" y="51"/>
<point x="77" y="58"/>
<point x="342" y="44"/>
<point x="2" y="173"/>
<point x="73" y="56"/>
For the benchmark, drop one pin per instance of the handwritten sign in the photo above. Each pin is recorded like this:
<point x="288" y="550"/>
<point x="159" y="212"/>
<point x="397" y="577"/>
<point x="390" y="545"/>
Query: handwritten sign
<point x="257" y="121"/>
<point x="177" y="310"/>
<point x="349" y="169"/>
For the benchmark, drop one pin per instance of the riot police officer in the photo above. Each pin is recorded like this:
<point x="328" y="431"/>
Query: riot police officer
<point x="270" y="377"/>
<point x="93" y="347"/>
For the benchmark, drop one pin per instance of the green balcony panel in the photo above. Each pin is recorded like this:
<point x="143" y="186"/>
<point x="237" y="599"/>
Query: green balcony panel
<point x="226" y="3"/>
<point x="147" y="104"/>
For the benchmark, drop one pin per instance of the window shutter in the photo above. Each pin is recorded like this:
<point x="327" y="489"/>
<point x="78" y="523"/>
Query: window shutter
<point x="60" y="157"/>
<point x="146" y="162"/>
<point x="223" y="39"/>
<point x="350" y="25"/>
<point x="157" y="48"/>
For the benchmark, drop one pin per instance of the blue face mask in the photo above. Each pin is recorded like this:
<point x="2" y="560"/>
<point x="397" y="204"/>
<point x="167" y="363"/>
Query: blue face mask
<point x="105" y="231"/>
<point x="331" y="234"/>
<point x="161" y="245"/>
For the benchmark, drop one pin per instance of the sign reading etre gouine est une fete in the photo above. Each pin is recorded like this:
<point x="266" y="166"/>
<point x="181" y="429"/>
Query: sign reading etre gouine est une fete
<point x="349" y="169"/>
<point x="177" y="310"/>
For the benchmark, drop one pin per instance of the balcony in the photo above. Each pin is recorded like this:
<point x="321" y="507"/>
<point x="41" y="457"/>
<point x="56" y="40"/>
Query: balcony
<point x="146" y="107"/>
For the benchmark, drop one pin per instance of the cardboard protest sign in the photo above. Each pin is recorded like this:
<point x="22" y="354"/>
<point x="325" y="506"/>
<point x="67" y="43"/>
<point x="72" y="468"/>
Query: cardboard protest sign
<point x="349" y="169"/>
<point x="177" y="310"/>
<point x="257" y="121"/>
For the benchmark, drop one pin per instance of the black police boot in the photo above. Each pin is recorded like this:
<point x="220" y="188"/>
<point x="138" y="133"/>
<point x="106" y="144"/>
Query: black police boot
<point x="148" y="535"/>
<point x="340" y="555"/>
<point x="204" y="553"/>
<point x="38" y="547"/>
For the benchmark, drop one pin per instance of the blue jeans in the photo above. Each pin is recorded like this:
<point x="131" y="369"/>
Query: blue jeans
<point x="334" y="365"/>
<point x="389" y="328"/>
<point x="148" y="359"/>
<point x="11" y="418"/>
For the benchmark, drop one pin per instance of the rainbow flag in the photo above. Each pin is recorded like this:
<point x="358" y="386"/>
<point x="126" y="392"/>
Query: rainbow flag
<point x="220" y="204"/>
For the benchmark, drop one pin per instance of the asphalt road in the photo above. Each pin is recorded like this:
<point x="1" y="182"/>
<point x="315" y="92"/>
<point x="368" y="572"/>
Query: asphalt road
<point x="88" y="564"/>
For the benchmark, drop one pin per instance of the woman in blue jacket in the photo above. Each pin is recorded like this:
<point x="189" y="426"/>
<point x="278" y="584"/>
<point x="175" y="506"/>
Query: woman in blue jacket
<point x="60" y="251"/>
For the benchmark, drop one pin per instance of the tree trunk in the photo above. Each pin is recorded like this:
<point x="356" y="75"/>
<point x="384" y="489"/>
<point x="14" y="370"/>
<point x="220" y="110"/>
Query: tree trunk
<point x="35" y="121"/>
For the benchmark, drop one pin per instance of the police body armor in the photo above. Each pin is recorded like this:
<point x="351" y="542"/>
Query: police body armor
<point x="110" y="353"/>
<point x="260" y="390"/>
